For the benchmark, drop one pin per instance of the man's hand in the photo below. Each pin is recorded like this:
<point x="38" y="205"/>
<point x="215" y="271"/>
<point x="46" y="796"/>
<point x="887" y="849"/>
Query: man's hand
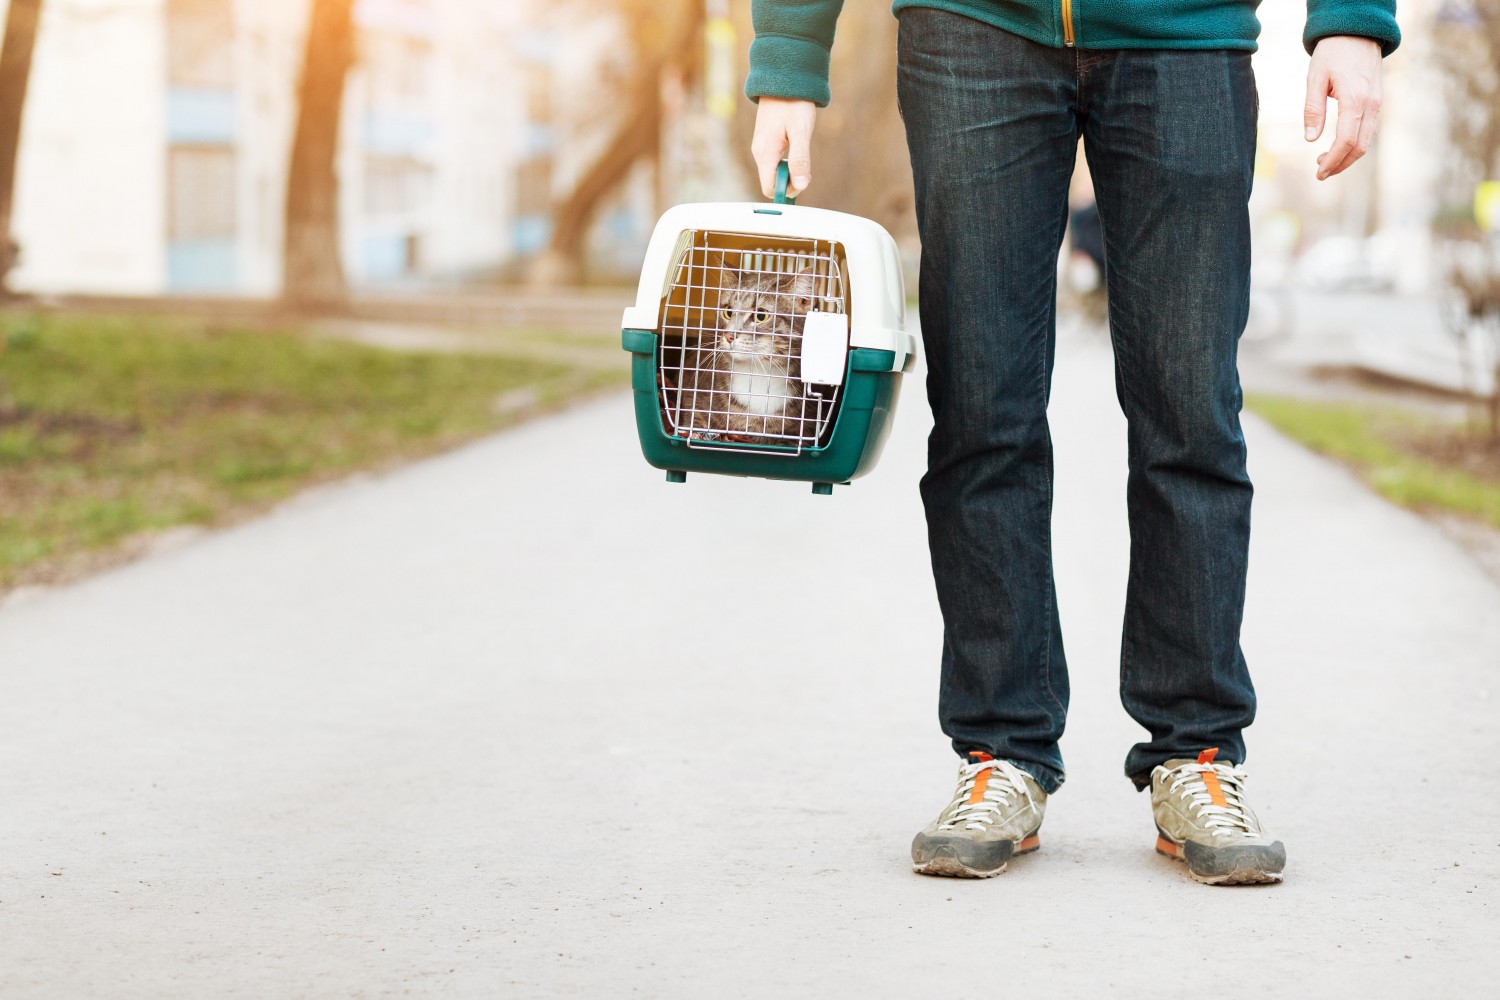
<point x="1347" y="68"/>
<point x="783" y="128"/>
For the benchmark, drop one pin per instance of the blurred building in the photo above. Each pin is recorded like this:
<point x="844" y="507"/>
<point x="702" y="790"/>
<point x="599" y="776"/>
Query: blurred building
<point x="157" y="135"/>
<point x="156" y="140"/>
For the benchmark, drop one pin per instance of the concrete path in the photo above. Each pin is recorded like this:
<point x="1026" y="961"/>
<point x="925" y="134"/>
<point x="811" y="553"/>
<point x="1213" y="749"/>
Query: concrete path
<point x="505" y="724"/>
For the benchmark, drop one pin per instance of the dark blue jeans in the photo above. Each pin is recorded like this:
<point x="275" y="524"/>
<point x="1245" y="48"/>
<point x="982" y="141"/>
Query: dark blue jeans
<point x="993" y="123"/>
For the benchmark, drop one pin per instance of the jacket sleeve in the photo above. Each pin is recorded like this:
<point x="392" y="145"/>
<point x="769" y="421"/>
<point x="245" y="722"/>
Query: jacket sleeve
<point x="1375" y="19"/>
<point x="789" y="57"/>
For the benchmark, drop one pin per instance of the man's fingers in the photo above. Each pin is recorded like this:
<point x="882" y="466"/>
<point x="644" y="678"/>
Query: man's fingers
<point x="766" y="166"/>
<point x="1332" y="161"/>
<point x="1346" y="137"/>
<point x="1346" y="68"/>
<point x="1315" y="108"/>
<point x="799" y="162"/>
<point x="1356" y="130"/>
<point x="1367" y="126"/>
<point x="783" y="127"/>
<point x="767" y="153"/>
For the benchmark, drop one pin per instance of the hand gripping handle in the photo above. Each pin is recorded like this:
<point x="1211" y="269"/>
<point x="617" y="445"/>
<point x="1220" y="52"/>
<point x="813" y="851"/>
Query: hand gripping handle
<point x="783" y="175"/>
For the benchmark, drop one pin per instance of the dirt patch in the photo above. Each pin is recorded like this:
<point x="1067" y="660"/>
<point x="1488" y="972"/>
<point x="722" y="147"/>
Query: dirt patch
<point x="1474" y="452"/>
<point x="12" y="415"/>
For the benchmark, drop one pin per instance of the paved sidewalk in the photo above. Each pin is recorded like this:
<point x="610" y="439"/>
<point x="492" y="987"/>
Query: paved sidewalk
<point x="503" y="724"/>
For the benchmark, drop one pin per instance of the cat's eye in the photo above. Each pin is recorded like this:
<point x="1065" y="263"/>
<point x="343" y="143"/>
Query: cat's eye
<point x="728" y="314"/>
<point x="760" y="316"/>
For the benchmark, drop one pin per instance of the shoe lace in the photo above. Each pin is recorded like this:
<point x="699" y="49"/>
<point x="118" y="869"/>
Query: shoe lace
<point x="1197" y="782"/>
<point x="997" y="783"/>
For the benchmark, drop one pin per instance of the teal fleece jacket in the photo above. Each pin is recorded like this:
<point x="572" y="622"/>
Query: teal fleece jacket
<point x="789" y="57"/>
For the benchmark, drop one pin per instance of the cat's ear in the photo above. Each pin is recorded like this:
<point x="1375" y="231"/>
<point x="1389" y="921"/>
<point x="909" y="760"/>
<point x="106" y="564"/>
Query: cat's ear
<point x="728" y="276"/>
<point x="803" y="284"/>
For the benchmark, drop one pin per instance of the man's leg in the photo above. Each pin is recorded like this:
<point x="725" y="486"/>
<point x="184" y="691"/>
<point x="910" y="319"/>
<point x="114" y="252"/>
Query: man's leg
<point x="1170" y="138"/>
<point x="993" y="136"/>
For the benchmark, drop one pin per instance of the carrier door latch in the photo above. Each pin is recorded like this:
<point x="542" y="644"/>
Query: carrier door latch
<point x="825" y="348"/>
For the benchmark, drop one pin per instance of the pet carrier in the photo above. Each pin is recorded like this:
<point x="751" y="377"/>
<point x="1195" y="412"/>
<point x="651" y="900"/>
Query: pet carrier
<point x="767" y="341"/>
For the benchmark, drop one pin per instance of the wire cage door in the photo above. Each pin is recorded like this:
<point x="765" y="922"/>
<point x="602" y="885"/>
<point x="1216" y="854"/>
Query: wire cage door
<point x="742" y="316"/>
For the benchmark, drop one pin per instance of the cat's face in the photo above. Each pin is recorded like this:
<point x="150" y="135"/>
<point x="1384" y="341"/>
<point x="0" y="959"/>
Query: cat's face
<point x="761" y="314"/>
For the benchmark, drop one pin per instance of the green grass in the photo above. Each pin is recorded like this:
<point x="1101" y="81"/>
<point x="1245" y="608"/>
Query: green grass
<point x="114" y="426"/>
<point x="1393" y="450"/>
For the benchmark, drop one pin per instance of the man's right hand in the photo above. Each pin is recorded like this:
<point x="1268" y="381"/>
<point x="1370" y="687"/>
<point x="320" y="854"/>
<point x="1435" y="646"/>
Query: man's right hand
<point x="783" y="130"/>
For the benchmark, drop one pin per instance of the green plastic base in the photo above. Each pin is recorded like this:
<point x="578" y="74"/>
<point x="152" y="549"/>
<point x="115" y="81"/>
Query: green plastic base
<point x="869" y="397"/>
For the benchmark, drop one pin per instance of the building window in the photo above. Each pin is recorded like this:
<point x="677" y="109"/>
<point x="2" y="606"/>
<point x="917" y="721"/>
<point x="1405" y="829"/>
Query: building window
<point x="396" y="186"/>
<point x="201" y="194"/>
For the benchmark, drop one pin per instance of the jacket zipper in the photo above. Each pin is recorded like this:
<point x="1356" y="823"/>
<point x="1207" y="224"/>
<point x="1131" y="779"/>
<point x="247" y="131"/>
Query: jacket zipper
<point x="1067" y="20"/>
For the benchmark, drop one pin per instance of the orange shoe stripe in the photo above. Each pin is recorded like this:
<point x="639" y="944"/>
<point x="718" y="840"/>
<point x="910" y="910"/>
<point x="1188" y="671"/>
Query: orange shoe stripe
<point x="1167" y="847"/>
<point x="1031" y="843"/>
<point x="1211" y="780"/>
<point x="1215" y="790"/>
<point x="981" y="782"/>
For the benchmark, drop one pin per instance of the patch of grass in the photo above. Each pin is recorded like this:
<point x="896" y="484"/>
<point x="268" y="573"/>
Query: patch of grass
<point x="1410" y="458"/>
<point x="114" y="426"/>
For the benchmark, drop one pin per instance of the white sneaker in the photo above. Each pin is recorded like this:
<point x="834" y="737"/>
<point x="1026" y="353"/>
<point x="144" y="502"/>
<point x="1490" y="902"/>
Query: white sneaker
<point x="995" y="814"/>
<point x="1203" y="819"/>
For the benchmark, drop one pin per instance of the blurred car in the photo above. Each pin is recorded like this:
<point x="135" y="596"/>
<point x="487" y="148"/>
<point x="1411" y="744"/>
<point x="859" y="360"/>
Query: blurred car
<point x="1351" y="263"/>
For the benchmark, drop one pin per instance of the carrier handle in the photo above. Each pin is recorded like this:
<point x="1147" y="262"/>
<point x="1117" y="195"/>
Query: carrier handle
<point x="783" y="176"/>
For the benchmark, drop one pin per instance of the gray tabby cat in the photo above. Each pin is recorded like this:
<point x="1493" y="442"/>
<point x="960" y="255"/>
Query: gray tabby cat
<point x="746" y="378"/>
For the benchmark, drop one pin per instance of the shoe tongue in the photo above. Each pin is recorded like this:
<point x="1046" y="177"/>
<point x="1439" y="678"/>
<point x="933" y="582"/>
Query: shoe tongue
<point x="1204" y="757"/>
<point x="980" y="756"/>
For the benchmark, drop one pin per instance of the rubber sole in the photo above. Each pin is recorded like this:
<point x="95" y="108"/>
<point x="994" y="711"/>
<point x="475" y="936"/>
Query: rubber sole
<point x="959" y="857"/>
<point x="1250" y="865"/>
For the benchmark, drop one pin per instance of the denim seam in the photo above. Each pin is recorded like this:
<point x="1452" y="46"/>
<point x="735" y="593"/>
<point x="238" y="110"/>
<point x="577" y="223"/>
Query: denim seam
<point x="1051" y="583"/>
<point x="1122" y="362"/>
<point x="1077" y="84"/>
<point x="1127" y="649"/>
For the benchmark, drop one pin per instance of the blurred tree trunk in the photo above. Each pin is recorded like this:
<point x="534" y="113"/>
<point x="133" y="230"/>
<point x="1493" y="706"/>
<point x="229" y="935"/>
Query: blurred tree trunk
<point x="1468" y="36"/>
<point x="15" y="72"/>
<point x="312" y="272"/>
<point x="663" y="44"/>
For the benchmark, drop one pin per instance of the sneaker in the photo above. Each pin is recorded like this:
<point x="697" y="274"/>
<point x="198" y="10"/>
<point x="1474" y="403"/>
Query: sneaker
<point x="1203" y="819"/>
<point x="995" y="813"/>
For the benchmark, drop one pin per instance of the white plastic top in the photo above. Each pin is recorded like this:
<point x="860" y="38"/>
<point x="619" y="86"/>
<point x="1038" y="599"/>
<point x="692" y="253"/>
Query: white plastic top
<point x="877" y="303"/>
